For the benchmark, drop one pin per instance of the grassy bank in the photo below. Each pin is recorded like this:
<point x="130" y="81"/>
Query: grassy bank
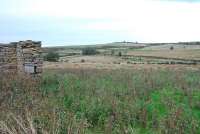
<point x="102" y="101"/>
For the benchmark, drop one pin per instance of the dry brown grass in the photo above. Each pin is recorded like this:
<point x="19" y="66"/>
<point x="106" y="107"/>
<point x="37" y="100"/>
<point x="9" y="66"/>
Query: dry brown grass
<point x="22" y="126"/>
<point x="23" y="108"/>
<point x="114" y="66"/>
<point x="182" y="54"/>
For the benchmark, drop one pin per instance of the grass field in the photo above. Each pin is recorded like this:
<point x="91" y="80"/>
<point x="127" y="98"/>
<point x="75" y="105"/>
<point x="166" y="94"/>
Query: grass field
<point x="102" y="101"/>
<point x="106" y="93"/>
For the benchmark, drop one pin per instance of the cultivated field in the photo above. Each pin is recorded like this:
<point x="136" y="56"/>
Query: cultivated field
<point x="128" y="88"/>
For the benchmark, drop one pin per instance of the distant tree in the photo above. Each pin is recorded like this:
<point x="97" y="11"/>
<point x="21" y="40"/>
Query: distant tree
<point x="89" y="51"/>
<point x="52" y="56"/>
<point x="171" y="48"/>
<point x="120" y="54"/>
<point x="112" y="52"/>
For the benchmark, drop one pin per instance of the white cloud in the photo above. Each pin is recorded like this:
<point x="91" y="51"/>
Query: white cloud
<point x="143" y="20"/>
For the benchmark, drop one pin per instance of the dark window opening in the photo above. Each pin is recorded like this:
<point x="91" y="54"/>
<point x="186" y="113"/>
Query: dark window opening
<point x="35" y="68"/>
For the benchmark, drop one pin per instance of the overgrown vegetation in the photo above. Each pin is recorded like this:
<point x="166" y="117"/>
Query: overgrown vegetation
<point x="92" y="101"/>
<point x="52" y="57"/>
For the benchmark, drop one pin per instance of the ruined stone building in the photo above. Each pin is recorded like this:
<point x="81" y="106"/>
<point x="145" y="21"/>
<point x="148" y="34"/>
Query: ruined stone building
<point x="24" y="57"/>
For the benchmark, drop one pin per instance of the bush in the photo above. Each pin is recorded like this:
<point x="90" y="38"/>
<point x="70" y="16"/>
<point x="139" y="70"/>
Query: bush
<point x="120" y="54"/>
<point x="112" y="52"/>
<point x="171" y="48"/>
<point x="89" y="51"/>
<point x="52" y="56"/>
<point x="82" y="60"/>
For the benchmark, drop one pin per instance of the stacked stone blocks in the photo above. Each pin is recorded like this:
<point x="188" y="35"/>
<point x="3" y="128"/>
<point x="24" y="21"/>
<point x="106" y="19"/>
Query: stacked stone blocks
<point x="21" y="57"/>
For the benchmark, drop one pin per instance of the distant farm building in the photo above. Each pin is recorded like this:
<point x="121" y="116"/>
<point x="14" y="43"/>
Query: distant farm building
<point x="24" y="57"/>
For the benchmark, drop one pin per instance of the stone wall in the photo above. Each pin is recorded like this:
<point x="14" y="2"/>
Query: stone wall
<point x="8" y="58"/>
<point x="29" y="57"/>
<point x="21" y="57"/>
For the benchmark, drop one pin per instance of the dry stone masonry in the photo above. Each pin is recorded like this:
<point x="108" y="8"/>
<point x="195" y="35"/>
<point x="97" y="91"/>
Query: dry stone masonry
<point x="24" y="57"/>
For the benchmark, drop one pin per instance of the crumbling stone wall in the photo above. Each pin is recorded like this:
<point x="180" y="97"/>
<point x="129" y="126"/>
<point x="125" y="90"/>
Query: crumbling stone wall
<point x="24" y="57"/>
<point x="8" y="58"/>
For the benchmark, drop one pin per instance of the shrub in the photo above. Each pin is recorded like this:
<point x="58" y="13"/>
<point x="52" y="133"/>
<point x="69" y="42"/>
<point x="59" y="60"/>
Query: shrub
<point x="112" y="52"/>
<point x="52" y="56"/>
<point x="120" y="54"/>
<point x="171" y="48"/>
<point x="82" y="60"/>
<point x="89" y="51"/>
<point x="128" y="62"/>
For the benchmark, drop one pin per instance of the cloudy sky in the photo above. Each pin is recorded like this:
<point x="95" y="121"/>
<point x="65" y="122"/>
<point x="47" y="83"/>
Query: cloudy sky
<point x="75" y="22"/>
